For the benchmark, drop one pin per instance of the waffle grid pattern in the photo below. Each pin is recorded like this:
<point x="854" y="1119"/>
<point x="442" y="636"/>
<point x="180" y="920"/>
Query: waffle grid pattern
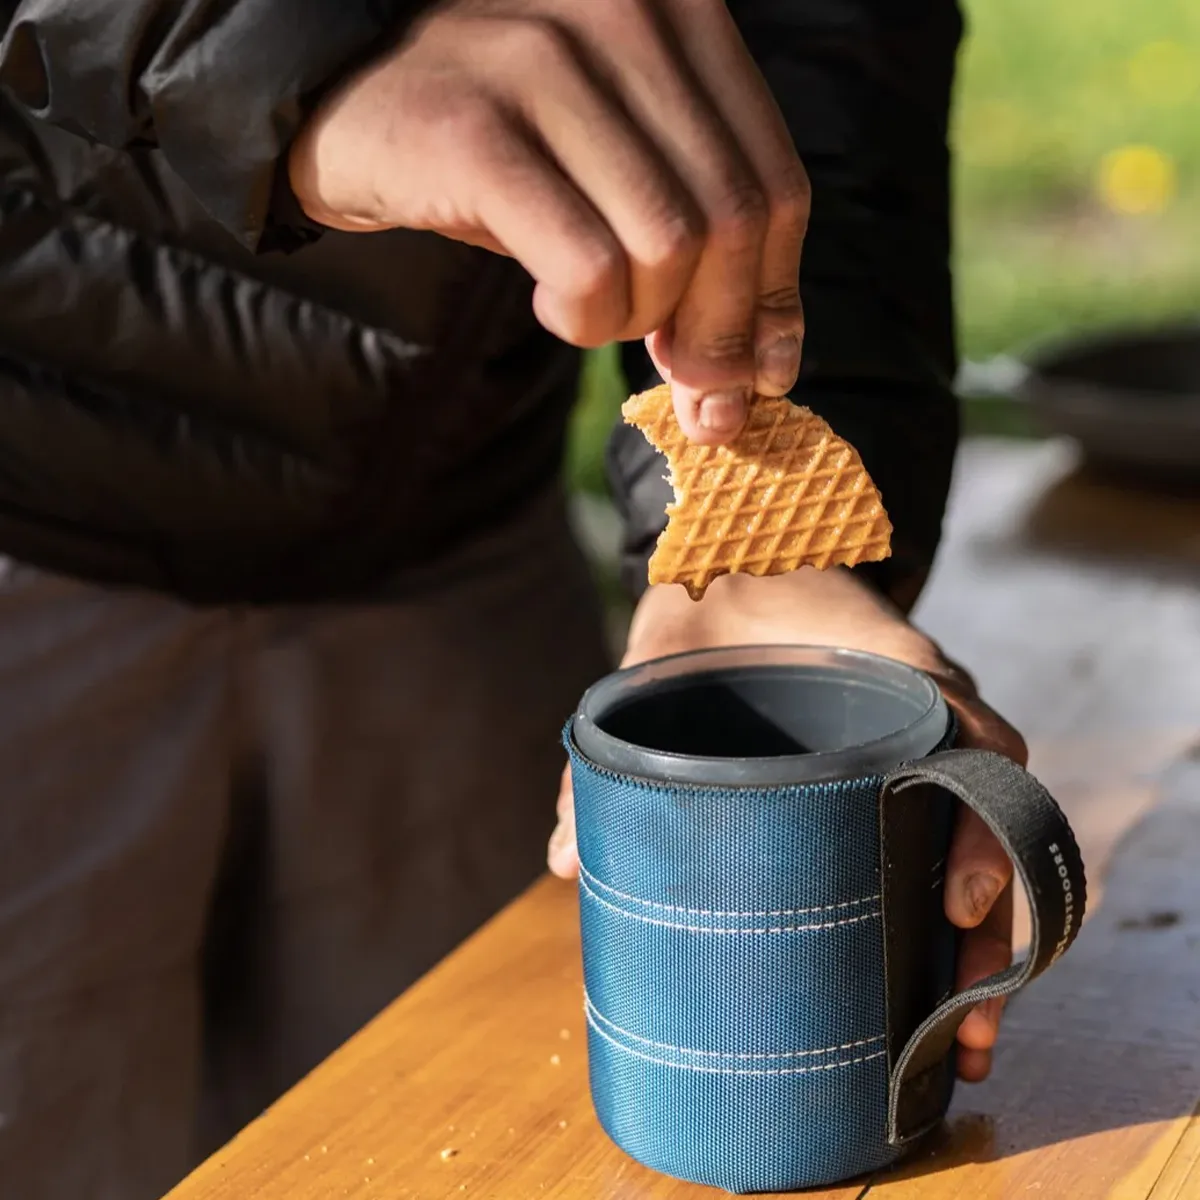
<point x="787" y="493"/>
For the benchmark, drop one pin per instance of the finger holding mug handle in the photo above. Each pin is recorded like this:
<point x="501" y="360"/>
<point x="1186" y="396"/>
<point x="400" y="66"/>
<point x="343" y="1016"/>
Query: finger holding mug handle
<point x="1028" y="823"/>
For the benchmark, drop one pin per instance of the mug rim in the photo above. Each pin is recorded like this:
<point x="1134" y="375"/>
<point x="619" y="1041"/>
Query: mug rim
<point x="857" y="668"/>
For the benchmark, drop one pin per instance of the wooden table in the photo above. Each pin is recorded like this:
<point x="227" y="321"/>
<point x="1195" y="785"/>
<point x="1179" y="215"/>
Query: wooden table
<point x="1080" y="609"/>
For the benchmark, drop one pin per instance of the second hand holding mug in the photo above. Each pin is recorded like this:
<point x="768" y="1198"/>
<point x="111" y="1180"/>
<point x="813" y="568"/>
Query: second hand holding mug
<point x="768" y="968"/>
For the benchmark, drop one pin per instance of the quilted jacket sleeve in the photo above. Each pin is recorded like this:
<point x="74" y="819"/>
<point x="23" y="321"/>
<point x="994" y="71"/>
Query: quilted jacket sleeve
<point x="865" y="87"/>
<point x="219" y="88"/>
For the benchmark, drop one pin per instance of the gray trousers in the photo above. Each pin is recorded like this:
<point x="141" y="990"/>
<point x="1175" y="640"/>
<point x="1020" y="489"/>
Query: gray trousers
<point x="228" y="838"/>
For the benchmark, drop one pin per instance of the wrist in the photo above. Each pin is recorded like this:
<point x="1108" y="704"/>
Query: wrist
<point x="828" y="608"/>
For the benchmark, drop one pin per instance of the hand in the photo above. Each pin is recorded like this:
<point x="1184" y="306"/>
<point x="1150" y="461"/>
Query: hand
<point x="835" y="609"/>
<point x="626" y="152"/>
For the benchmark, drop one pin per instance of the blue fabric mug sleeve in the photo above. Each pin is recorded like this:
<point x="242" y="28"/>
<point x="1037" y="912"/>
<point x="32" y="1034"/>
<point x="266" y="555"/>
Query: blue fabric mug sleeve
<point x="769" y="971"/>
<point x="1035" y="834"/>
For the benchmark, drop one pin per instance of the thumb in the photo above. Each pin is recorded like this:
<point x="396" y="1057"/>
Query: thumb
<point x="562" y="855"/>
<point x="708" y="417"/>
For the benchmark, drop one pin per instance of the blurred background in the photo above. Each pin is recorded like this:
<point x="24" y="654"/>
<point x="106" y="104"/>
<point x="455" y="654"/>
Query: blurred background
<point x="1078" y="168"/>
<point x="1077" y="181"/>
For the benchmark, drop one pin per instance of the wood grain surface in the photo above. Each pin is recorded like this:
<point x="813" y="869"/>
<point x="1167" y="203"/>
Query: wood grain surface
<point x="474" y="1082"/>
<point x="1180" y="1179"/>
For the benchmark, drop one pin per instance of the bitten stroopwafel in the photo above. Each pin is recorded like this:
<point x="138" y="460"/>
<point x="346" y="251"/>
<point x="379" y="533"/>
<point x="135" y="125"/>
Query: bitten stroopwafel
<point x="786" y="493"/>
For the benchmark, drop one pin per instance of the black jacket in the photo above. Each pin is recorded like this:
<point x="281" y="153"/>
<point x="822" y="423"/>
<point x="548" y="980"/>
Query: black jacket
<point x="200" y="395"/>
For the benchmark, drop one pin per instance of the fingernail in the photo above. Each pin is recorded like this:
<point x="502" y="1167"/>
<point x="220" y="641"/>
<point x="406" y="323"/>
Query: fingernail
<point x="779" y="364"/>
<point x="981" y="892"/>
<point x="723" y="412"/>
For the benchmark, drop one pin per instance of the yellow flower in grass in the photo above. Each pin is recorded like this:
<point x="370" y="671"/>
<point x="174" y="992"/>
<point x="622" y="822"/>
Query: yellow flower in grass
<point x="1137" y="179"/>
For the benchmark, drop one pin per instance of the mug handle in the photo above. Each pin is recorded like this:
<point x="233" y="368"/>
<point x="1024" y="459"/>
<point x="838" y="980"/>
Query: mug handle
<point x="1037" y="837"/>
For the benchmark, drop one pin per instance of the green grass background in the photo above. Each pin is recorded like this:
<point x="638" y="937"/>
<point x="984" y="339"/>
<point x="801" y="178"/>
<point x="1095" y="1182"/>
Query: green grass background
<point x="1046" y="89"/>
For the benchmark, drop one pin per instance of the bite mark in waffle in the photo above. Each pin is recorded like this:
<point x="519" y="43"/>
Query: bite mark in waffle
<point x="786" y="493"/>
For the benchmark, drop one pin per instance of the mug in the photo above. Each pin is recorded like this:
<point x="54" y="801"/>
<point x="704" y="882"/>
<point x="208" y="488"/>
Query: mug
<point x="768" y="969"/>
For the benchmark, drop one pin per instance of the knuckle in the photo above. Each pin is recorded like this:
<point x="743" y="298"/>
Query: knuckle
<point x="783" y="300"/>
<point x="538" y="44"/>
<point x="596" y="271"/>
<point x="732" y="347"/>
<point x="791" y="198"/>
<point x="1013" y="745"/>
<point x="675" y="241"/>
<point x="475" y="123"/>
<point x="741" y="217"/>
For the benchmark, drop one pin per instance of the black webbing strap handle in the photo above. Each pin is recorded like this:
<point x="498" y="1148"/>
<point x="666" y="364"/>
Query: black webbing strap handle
<point x="1035" y="834"/>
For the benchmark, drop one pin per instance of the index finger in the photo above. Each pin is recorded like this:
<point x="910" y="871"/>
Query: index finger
<point x="744" y="100"/>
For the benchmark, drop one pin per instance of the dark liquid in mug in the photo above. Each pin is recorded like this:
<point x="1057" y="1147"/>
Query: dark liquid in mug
<point x="757" y="712"/>
<point x="717" y="718"/>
